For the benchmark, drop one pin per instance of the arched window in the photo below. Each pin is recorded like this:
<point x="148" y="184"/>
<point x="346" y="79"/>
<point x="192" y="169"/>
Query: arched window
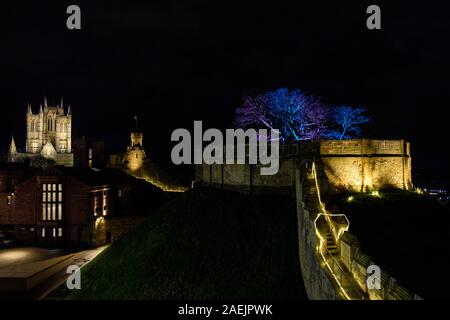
<point x="49" y="124"/>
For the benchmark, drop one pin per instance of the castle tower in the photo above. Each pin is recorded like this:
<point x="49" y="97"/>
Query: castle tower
<point x="136" y="139"/>
<point x="136" y="152"/>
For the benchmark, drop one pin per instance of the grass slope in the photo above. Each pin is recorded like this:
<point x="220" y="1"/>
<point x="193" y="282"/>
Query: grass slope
<point x="204" y="244"/>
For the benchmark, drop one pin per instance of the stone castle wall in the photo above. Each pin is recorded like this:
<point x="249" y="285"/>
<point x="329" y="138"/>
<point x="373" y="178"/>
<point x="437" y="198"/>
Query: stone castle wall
<point x="247" y="178"/>
<point x="353" y="165"/>
<point x="361" y="165"/>
<point x="110" y="229"/>
<point x="318" y="284"/>
<point x="349" y="165"/>
<point x="357" y="262"/>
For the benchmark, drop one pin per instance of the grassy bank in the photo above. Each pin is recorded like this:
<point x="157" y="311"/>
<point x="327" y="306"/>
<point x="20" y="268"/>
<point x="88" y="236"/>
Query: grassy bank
<point x="204" y="244"/>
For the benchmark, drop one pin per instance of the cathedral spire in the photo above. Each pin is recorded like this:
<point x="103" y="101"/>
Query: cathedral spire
<point x="45" y="101"/>
<point x="69" y="112"/>
<point x="62" y="102"/>
<point x="40" y="108"/>
<point x="29" y="109"/>
<point x="12" y="146"/>
<point x="12" y="151"/>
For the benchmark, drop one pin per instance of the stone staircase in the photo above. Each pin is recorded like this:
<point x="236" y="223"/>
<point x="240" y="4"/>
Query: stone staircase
<point x="312" y="204"/>
<point x="345" y="283"/>
<point x="331" y="244"/>
<point x="311" y="198"/>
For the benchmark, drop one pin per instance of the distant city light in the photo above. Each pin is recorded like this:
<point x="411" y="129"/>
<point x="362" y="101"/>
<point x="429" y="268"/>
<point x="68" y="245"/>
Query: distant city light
<point x="350" y="199"/>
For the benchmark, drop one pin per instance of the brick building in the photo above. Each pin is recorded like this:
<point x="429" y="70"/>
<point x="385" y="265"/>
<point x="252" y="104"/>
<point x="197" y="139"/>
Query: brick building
<point x="89" y="153"/>
<point x="68" y="205"/>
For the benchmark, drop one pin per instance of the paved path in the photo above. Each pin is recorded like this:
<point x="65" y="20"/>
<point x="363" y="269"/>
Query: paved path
<point x="17" y="256"/>
<point x="18" y="261"/>
<point x="80" y="259"/>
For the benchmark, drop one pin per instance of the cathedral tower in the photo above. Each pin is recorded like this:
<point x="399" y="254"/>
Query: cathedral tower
<point x="51" y="125"/>
<point x="49" y="134"/>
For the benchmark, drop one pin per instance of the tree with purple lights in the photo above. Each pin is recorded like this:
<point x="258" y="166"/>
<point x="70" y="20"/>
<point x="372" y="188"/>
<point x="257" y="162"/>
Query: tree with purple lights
<point x="347" y="121"/>
<point x="296" y="115"/>
<point x="299" y="116"/>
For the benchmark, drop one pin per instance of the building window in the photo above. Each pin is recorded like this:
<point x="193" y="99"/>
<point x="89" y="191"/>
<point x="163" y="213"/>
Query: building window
<point x="53" y="211"/>
<point x="43" y="233"/>
<point x="44" y="211"/>
<point x="90" y="157"/>
<point x="59" y="232"/>
<point x="60" y="211"/>
<point x="52" y="208"/>
<point x="9" y="200"/>
<point x="54" y="232"/>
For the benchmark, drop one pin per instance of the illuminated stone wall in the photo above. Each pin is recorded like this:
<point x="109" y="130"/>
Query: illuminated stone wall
<point x="133" y="159"/>
<point x="357" y="262"/>
<point x="350" y="165"/>
<point x="318" y="283"/>
<point x="116" y="227"/>
<point x="247" y="178"/>
<point x="135" y="153"/>
<point x="366" y="173"/>
<point x="361" y="165"/>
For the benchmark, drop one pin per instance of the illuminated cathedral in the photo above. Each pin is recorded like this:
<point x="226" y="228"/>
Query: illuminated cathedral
<point x="49" y="135"/>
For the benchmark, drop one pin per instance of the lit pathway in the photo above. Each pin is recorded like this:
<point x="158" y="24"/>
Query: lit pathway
<point x="27" y="262"/>
<point x="16" y="256"/>
<point x="80" y="259"/>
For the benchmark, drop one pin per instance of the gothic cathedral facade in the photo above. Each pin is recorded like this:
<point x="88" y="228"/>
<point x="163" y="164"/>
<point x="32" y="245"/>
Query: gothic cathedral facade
<point x="49" y="134"/>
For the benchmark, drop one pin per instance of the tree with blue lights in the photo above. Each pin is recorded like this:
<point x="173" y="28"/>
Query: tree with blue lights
<point x="298" y="116"/>
<point x="347" y="122"/>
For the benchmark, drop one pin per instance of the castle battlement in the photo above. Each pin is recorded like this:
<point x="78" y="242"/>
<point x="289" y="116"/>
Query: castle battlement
<point x="348" y="165"/>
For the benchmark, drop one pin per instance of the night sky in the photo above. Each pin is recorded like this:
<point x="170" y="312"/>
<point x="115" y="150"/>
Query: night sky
<point x="177" y="61"/>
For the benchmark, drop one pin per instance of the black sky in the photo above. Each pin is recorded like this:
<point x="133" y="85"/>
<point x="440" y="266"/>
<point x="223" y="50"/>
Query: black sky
<point x="173" y="62"/>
